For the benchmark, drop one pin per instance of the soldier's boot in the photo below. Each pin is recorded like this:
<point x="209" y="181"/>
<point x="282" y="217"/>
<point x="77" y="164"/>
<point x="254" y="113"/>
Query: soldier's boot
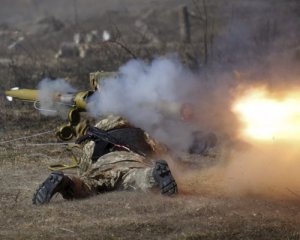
<point x="163" y="176"/>
<point x="57" y="182"/>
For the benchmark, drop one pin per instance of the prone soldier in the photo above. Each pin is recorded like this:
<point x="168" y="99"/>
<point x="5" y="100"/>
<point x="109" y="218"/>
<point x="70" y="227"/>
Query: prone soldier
<point x="115" y="156"/>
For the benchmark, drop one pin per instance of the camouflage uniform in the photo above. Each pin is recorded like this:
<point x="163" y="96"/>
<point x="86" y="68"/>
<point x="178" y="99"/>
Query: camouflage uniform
<point x="122" y="170"/>
<point x="117" y="170"/>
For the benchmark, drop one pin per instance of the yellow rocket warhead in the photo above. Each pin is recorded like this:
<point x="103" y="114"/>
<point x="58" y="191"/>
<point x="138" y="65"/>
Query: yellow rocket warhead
<point x="22" y="94"/>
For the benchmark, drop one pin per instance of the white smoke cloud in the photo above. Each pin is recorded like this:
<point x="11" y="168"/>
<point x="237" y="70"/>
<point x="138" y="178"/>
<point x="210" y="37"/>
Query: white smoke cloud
<point x="151" y="95"/>
<point x="48" y="91"/>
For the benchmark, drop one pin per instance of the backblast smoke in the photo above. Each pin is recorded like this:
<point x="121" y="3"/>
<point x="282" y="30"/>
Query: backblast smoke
<point x="257" y="51"/>
<point x="153" y="95"/>
<point x="262" y="158"/>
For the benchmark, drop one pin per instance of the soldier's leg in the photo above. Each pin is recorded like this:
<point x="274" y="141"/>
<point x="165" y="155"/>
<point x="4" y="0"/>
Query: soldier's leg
<point x="139" y="179"/>
<point x="125" y="171"/>
<point x="157" y="177"/>
<point x="70" y="187"/>
<point x="92" y="182"/>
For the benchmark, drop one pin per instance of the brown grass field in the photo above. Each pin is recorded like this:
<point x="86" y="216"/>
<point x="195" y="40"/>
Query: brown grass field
<point x="122" y="215"/>
<point x="113" y="215"/>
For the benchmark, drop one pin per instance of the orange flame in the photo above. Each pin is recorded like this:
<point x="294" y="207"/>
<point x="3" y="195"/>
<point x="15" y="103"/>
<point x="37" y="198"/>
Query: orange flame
<point x="267" y="117"/>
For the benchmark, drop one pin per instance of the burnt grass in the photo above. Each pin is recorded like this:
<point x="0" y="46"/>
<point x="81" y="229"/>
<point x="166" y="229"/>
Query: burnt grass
<point x="113" y="215"/>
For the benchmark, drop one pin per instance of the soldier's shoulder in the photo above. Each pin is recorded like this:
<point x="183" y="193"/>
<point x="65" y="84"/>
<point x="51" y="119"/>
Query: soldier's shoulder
<point x="112" y="121"/>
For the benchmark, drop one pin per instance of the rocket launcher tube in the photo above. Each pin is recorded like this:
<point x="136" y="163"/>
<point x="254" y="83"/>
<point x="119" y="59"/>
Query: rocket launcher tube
<point x="81" y="98"/>
<point x="76" y="100"/>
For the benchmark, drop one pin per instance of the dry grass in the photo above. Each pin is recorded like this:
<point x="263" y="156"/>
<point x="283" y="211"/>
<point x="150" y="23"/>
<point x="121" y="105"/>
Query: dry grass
<point x="115" y="215"/>
<point x="127" y="215"/>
